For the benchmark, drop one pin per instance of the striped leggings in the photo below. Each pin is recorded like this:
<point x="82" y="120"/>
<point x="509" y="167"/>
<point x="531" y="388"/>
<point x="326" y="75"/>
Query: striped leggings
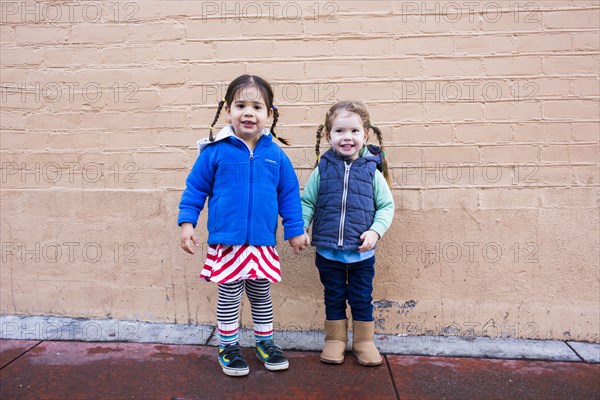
<point x="228" y="306"/>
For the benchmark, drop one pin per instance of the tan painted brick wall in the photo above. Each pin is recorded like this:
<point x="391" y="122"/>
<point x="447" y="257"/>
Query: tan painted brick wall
<point x="489" y="109"/>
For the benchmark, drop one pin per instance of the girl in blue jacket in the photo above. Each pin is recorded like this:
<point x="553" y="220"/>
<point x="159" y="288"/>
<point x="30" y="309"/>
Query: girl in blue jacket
<point x="350" y="204"/>
<point x="248" y="181"/>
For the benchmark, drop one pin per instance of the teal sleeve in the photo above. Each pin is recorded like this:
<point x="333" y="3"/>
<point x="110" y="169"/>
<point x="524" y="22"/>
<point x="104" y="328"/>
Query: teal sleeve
<point x="384" y="204"/>
<point x="309" y="197"/>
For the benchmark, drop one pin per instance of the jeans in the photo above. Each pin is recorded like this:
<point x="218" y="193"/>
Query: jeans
<point x="347" y="282"/>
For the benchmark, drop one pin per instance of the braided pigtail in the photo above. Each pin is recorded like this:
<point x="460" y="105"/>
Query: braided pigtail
<point x="210" y="130"/>
<point x="275" y="118"/>
<point x="384" y="164"/>
<point x="318" y="145"/>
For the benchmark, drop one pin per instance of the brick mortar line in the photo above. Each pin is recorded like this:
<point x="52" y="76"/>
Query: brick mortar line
<point x="333" y="57"/>
<point x="338" y="57"/>
<point x="482" y="188"/>
<point x="250" y="61"/>
<point x="390" y="12"/>
<point x="476" y="11"/>
<point x="310" y="146"/>
<point x="176" y="106"/>
<point x="407" y="121"/>
<point x="391" y="124"/>
<point x="47" y="110"/>
<point x="183" y="149"/>
<point x="66" y="189"/>
<point x="388" y="80"/>
<point x="477" y="208"/>
<point x="191" y="146"/>
<point x="530" y="100"/>
<point x="368" y="36"/>
<point x="346" y="36"/>
<point x="399" y="187"/>
<point x="362" y="80"/>
<point x="341" y="35"/>
<point x="186" y="108"/>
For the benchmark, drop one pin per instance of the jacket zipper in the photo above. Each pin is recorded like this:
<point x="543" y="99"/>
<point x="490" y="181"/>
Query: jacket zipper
<point x="344" y="198"/>
<point x="251" y="191"/>
<point x="250" y="195"/>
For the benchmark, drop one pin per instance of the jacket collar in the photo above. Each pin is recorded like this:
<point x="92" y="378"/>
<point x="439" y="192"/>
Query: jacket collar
<point x="224" y="133"/>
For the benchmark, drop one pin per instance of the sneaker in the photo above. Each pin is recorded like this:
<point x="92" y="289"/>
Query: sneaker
<point x="271" y="355"/>
<point x="232" y="360"/>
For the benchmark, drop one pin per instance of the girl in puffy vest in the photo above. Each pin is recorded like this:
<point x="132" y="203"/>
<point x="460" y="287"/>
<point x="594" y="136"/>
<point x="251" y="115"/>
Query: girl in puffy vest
<point x="248" y="181"/>
<point x="349" y="202"/>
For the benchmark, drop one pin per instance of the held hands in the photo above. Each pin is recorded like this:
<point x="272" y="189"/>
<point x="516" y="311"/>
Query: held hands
<point x="188" y="237"/>
<point x="299" y="242"/>
<point x="369" y="239"/>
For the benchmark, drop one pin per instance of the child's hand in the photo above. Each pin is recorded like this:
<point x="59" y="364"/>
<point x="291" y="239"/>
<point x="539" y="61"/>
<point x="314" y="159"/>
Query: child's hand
<point x="369" y="239"/>
<point x="187" y="237"/>
<point x="306" y="237"/>
<point x="298" y="243"/>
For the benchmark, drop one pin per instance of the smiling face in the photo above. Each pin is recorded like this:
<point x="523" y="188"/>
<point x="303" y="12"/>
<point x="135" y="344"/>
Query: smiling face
<point x="347" y="135"/>
<point x="248" y="113"/>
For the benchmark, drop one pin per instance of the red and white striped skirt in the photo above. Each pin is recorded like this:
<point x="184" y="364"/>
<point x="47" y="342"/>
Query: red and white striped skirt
<point x="229" y="263"/>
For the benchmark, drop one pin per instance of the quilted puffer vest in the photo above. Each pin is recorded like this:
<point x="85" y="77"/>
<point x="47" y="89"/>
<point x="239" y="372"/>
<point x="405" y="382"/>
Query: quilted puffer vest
<point x="345" y="204"/>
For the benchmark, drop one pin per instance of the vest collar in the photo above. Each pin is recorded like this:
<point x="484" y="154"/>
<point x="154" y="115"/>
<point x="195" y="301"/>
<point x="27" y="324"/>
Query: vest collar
<point x="369" y="152"/>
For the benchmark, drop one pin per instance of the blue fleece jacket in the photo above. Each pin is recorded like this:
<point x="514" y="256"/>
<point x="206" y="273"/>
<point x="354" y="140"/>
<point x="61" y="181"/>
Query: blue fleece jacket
<point x="245" y="190"/>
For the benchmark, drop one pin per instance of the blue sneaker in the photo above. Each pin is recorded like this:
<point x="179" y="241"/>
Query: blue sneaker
<point x="271" y="355"/>
<point x="232" y="360"/>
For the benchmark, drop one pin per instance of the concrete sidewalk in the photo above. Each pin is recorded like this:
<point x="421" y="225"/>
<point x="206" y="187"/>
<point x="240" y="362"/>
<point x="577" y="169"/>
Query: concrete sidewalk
<point x="66" y="358"/>
<point x="92" y="370"/>
<point x="50" y="328"/>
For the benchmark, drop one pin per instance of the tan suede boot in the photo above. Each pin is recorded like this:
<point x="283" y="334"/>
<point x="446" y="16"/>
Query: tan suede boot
<point x="336" y="338"/>
<point x="363" y="346"/>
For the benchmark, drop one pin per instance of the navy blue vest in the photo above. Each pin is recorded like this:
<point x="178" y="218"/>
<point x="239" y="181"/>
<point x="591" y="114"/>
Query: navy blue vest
<point x="345" y="204"/>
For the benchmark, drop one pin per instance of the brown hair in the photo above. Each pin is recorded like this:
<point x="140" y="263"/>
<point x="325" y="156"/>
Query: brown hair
<point x="360" y="109"/>
<point x="242" y="82"/>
